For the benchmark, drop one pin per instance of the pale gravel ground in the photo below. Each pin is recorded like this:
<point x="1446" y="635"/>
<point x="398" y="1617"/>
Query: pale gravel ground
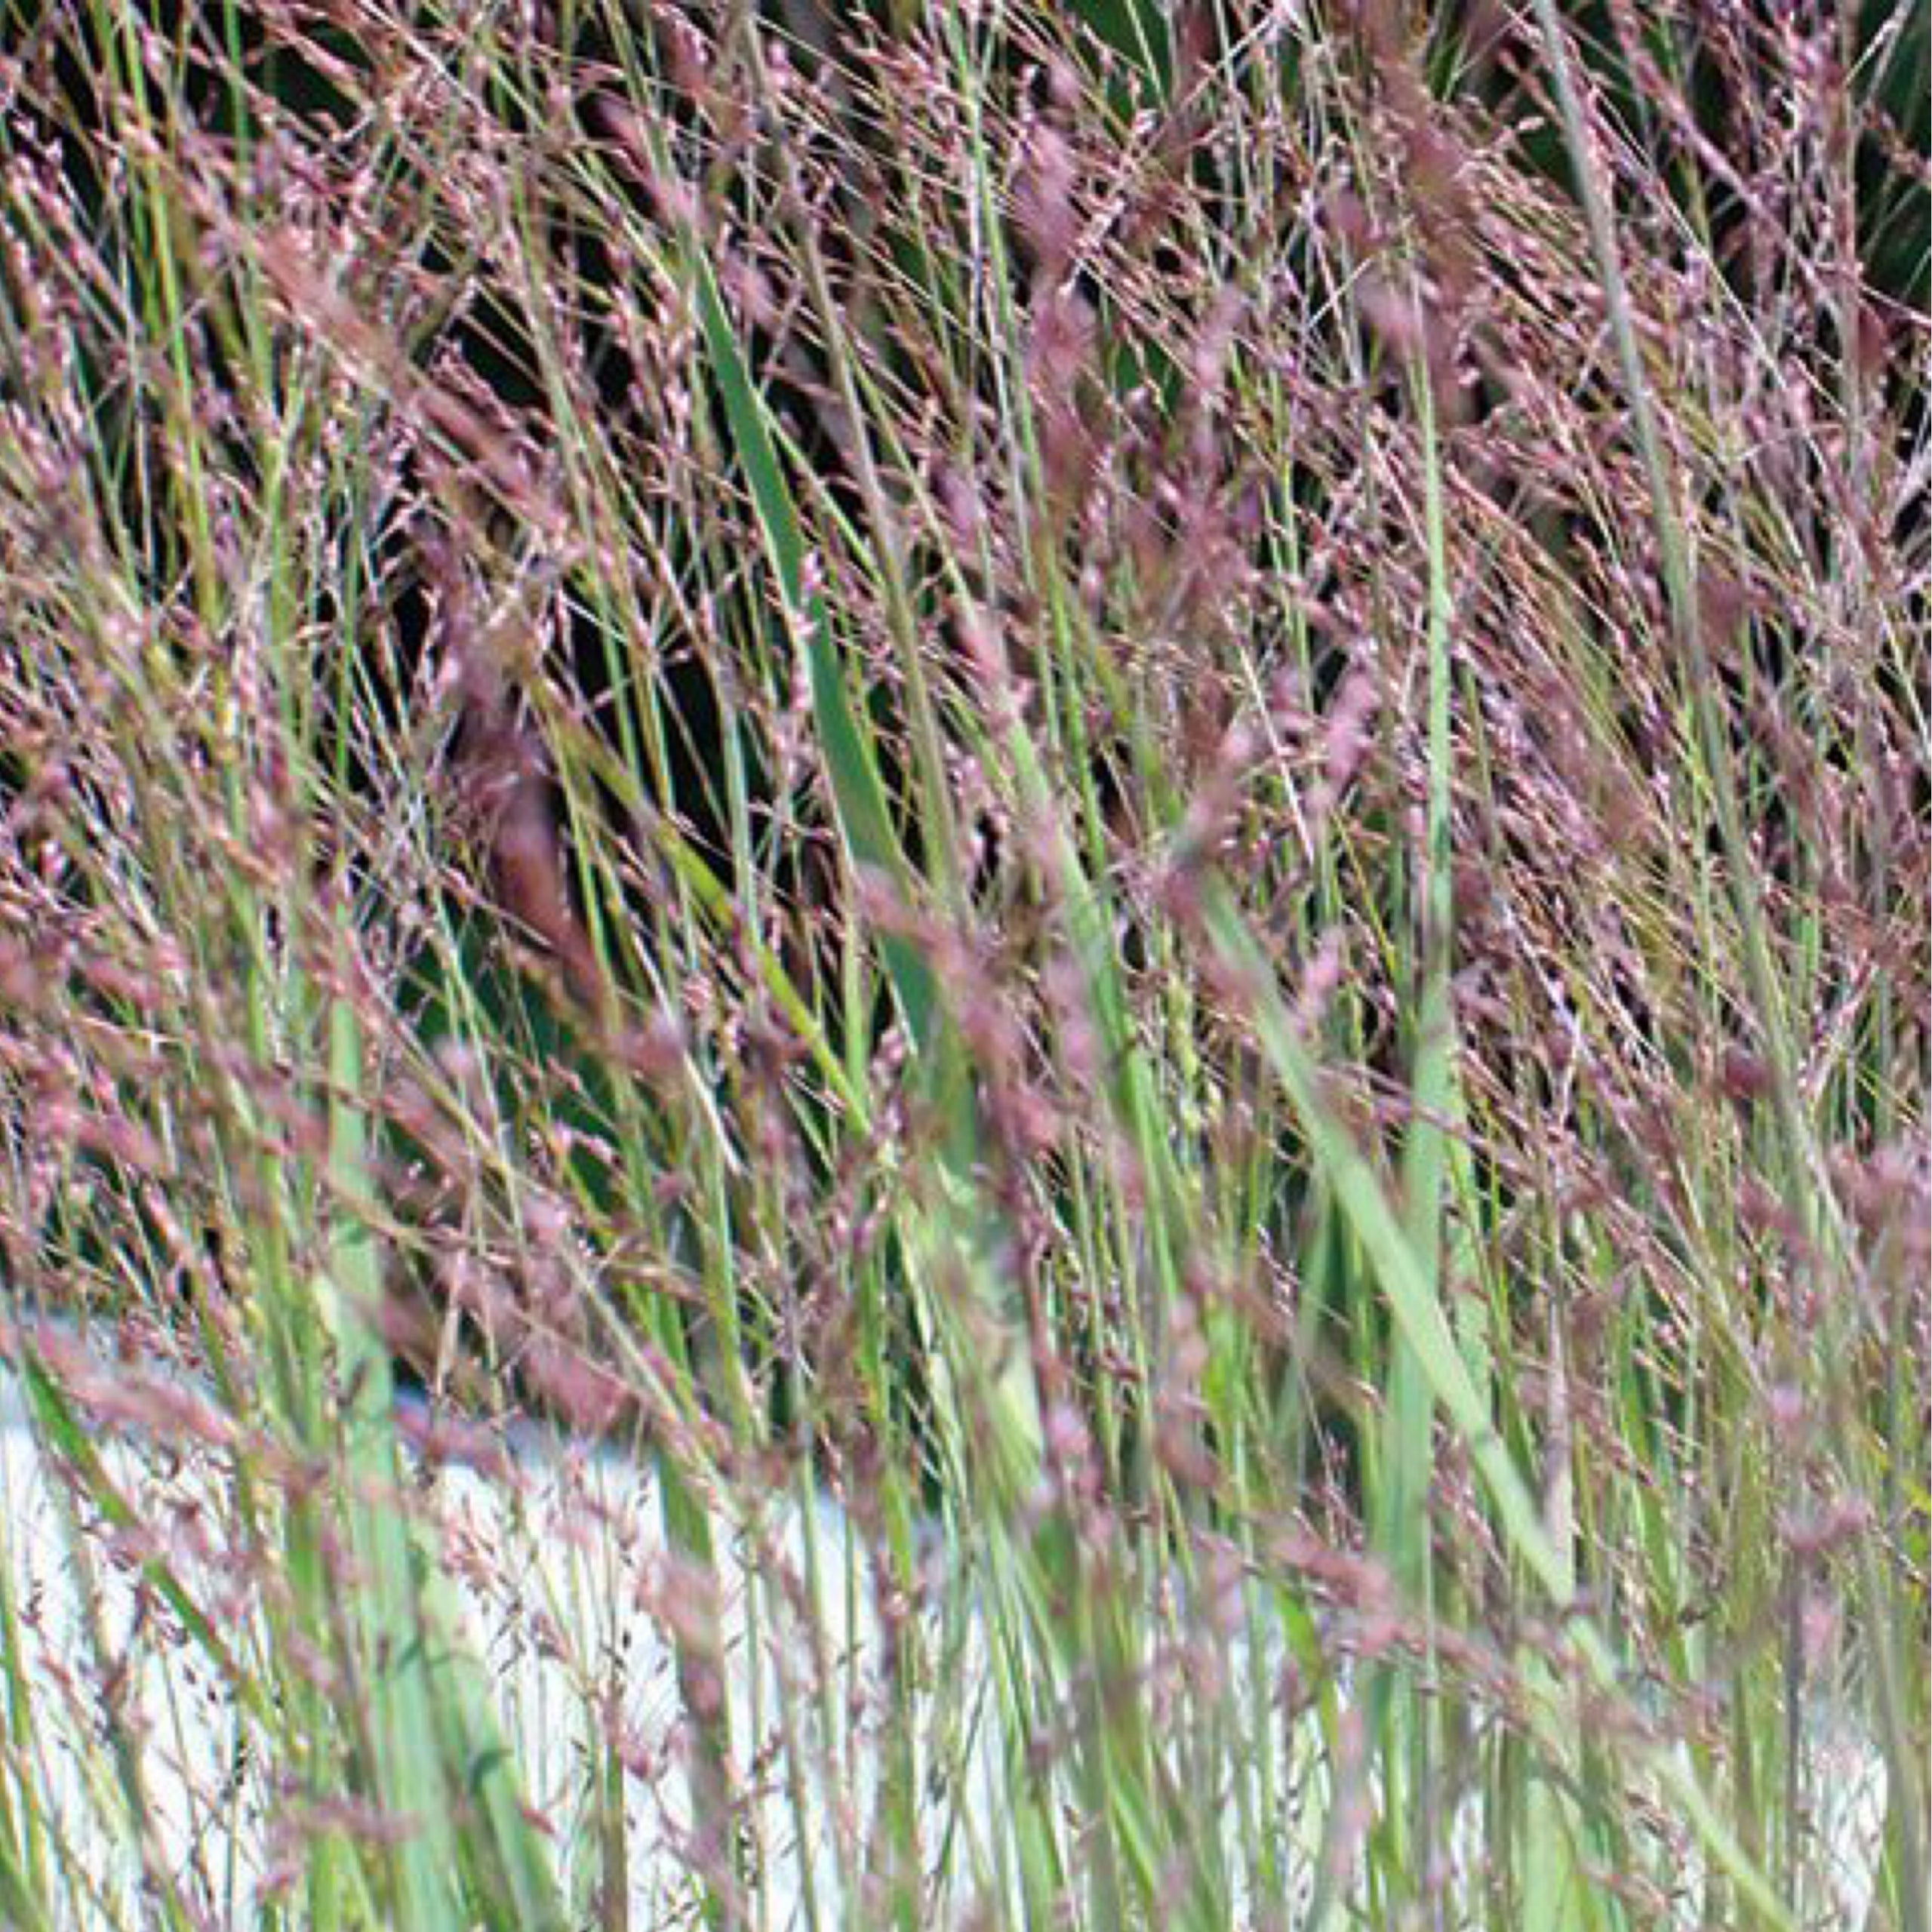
<point x="564" y="1584"/>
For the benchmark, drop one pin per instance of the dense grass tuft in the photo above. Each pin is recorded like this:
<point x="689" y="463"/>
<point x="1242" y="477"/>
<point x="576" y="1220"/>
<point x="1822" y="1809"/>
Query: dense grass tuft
<point x="1148" y="787"/>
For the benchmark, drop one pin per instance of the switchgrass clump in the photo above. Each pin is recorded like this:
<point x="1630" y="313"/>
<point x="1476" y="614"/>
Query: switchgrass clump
<point x="1145" y="789"/>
